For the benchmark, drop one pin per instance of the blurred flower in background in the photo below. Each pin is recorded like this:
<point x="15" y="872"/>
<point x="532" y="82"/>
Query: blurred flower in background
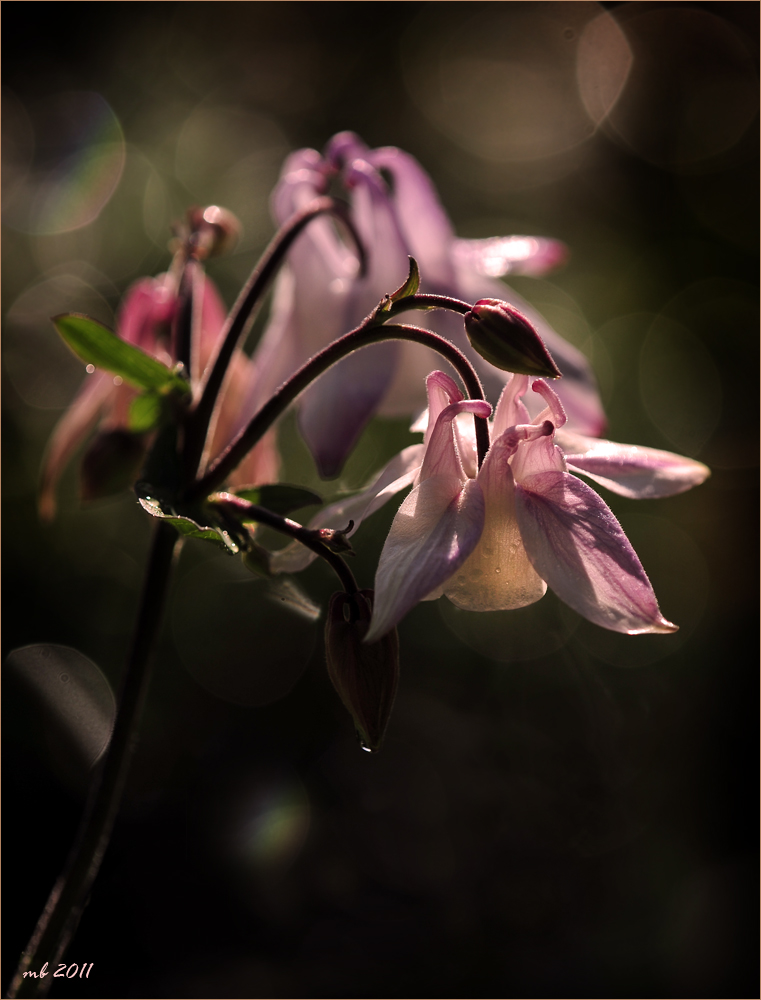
<point x="397" y="214"/>
<point x="541" y="820"/>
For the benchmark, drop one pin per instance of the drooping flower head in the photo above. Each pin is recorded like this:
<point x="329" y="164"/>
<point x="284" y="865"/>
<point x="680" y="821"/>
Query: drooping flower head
<point x="145" y="319"/>
<point x="494" y="538"/>
<point x="322" y="294"/>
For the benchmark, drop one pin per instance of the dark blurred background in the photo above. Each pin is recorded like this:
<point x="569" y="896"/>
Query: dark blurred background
<point x="558" y="810"/>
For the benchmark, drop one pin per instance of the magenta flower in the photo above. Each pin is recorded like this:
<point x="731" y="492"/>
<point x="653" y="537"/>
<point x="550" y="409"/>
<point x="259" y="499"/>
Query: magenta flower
<point x="495" y="538"/>
<point x="145" y="319"/>
<point x="321" y="295"/>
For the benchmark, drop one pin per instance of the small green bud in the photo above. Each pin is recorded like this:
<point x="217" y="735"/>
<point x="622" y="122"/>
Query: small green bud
<point x="365" y="675"/>
<point x="507" y="340"/>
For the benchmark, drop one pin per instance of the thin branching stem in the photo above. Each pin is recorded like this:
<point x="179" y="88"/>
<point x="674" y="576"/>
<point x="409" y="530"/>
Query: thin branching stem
<point x="243" y="510"/>
<point x="242" y="314"/>
<point x="365" y="335"/>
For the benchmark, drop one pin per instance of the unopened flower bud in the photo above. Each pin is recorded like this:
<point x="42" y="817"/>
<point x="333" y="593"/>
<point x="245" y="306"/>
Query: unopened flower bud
<point x="365" y="675"/>
<point x="110" y="464"/>
<point x="507" y="340"/>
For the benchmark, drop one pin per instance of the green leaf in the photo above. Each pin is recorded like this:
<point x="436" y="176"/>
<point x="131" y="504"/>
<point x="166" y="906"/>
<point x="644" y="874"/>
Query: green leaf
<point x="190" y="522"/>
<point x="145" y="412"/>
<point x="280" y="498"/>
<point x="96" y="345"/>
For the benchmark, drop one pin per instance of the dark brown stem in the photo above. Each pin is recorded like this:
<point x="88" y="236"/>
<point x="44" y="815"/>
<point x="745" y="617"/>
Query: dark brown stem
<point x="363" y="336"/>
<point x="427" y="302"/>
<point x="242" y="510"/>
<point x="243" y="312"/>
<point x="63" y="909"/>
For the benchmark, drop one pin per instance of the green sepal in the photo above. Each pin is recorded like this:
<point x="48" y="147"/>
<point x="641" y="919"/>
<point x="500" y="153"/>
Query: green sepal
<point x="410" y="286"/>
<point x="96" y="345"/>
<point x="404" y="291"/>
<point x="191" y="521"/>
<point x="280" y="498"/>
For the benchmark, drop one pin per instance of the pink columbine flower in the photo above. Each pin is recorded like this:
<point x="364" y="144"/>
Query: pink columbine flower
<point x="145" y="319"/>
<point x="494" y="538"/>
<point x="321" y="295"/>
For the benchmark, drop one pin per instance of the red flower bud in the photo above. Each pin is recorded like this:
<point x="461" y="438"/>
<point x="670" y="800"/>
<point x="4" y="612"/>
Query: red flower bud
<point x="365" y="675"/>
<point x="507" y="340"/>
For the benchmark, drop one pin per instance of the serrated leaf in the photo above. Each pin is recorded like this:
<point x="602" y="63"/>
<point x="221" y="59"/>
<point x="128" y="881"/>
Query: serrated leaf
<point x="96" y="345"/>
<point x="280" y="498"/>
<point x="145" y="412"/>
<point x="188" y="523"/>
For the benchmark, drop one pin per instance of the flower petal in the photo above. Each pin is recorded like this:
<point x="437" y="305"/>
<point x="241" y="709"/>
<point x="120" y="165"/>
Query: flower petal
<point x="147" y="310"/>
<point x="396" y="476"/>
<point x="213" y="315"/>
<point x="500" y="255"/>
<point x="580" y="549"/>
<point x="334" y="410"/>
<point x="441" y="456"/>
<point x="434" y="532"/>
<point x="441" y="391"/>
<point x="510" y="409"/>
<point x="629" y="470"/>
<point x="69" y="432"/>
<point x="498" y="574"/>
<point x="426" y="227"/>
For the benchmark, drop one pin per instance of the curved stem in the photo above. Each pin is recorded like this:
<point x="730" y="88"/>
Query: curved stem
<point x="188" y="313"/>
<point x="427" y="302"/>
<point x="243" y="510"/>
<point x="243" y="311"/>
<point x="63" y="909"/>
<point x="363" y="336"/>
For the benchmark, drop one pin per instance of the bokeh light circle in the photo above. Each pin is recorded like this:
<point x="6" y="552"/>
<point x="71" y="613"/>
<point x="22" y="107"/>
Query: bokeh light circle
<point x="42" y="370"/>
<point x="693" y="89"/>
<point x="79" y="154"/>
<point x="517" y="84"/>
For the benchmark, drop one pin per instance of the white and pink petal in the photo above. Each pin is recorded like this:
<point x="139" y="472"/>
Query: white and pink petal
<point x="434" y="531"/>
<point x="630" y="470"/>
<point x="577" y="545"/>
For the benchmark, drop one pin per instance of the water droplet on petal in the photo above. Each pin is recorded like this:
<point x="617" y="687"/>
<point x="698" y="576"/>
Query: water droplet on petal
<point x="364" y="745"/>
